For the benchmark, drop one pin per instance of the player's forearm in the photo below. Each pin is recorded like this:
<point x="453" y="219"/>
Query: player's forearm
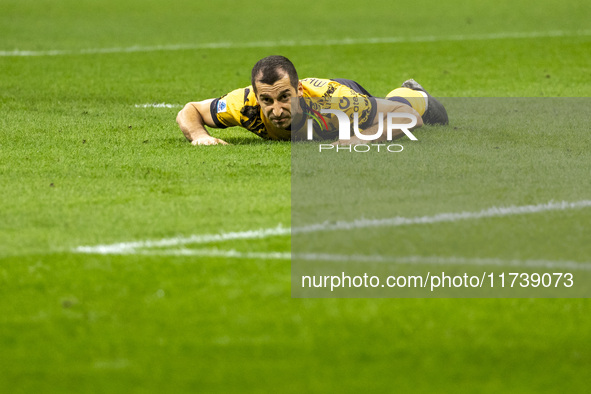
<point x="390" y="107"/>
<point x="403" y="109"/>
<point x="191" y="122"/>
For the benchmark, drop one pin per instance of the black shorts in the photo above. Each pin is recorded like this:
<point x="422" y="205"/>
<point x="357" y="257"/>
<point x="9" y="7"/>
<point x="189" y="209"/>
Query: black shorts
<point x="360" y="89"/>
<point x="353" y="85"/>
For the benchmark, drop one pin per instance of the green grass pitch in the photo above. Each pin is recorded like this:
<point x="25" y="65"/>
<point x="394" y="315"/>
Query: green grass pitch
<point x="82" y="163"/>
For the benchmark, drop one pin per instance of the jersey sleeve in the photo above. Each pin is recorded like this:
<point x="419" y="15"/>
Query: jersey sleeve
<point x="226" y="111"/>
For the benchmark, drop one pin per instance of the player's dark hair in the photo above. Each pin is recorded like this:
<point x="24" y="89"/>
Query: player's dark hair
<point x="271" y="69"/>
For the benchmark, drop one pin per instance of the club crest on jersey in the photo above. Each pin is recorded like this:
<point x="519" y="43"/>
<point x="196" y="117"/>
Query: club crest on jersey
<point x="222" y="106"/>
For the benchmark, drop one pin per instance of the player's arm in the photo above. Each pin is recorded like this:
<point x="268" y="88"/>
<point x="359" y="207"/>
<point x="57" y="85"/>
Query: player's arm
<point x="192" y="120"/>
<point x="384" y="107"/>
<point x="387" y="106"/>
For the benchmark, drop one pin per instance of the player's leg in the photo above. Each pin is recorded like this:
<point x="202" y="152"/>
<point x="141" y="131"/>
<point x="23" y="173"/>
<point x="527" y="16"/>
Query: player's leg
<point x="431" y="110"/>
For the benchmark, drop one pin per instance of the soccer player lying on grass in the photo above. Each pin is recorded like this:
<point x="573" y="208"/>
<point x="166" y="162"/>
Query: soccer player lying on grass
<point x="265" y="107"/>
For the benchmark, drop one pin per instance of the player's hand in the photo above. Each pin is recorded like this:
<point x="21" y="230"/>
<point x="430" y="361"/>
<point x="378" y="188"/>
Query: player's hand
<point x="208" y="140"/>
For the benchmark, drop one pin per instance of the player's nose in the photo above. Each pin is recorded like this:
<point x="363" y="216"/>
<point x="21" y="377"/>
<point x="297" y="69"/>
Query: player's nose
<point x="277" y="109"/>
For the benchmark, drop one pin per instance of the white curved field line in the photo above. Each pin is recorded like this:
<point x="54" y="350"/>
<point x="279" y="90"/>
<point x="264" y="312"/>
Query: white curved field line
<point x="296" y="43"/>
<point x="175" y="246"/>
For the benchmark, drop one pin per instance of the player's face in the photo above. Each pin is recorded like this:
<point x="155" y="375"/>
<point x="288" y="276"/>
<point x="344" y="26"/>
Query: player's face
<point x="275" y="100"/>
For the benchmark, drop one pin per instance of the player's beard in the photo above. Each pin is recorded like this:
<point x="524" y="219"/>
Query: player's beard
<point x="283" y="123"/>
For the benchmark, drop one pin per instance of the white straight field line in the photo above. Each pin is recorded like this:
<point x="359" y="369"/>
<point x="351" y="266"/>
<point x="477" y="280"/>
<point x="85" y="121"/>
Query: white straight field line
<point x="158" y="105"/>
<point x="131" y="247"/>
<point x="297" y="43"/>
<point x="216" y="253"/>
<point x="412" y="260"/>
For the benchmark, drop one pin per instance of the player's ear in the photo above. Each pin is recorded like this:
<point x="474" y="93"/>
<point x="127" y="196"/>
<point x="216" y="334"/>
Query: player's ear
<point x="300" y="89"/>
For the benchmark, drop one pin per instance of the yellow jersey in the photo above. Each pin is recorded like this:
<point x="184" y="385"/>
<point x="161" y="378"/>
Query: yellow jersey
<point x="241" y="108"/>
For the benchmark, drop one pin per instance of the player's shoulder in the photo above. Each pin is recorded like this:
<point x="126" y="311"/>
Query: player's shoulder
<point x="321" y="87"/>
<point x="241" y="96"/>
<point x="316" y="87"/>
<point x="316" y="82"/>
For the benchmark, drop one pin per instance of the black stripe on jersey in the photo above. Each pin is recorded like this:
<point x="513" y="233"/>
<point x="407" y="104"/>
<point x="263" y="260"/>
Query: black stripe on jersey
<point x="372" y="114"/>
<point x="361" y="90"/>
<point x="213" y="110"/>
<point x="353" y="85"/>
